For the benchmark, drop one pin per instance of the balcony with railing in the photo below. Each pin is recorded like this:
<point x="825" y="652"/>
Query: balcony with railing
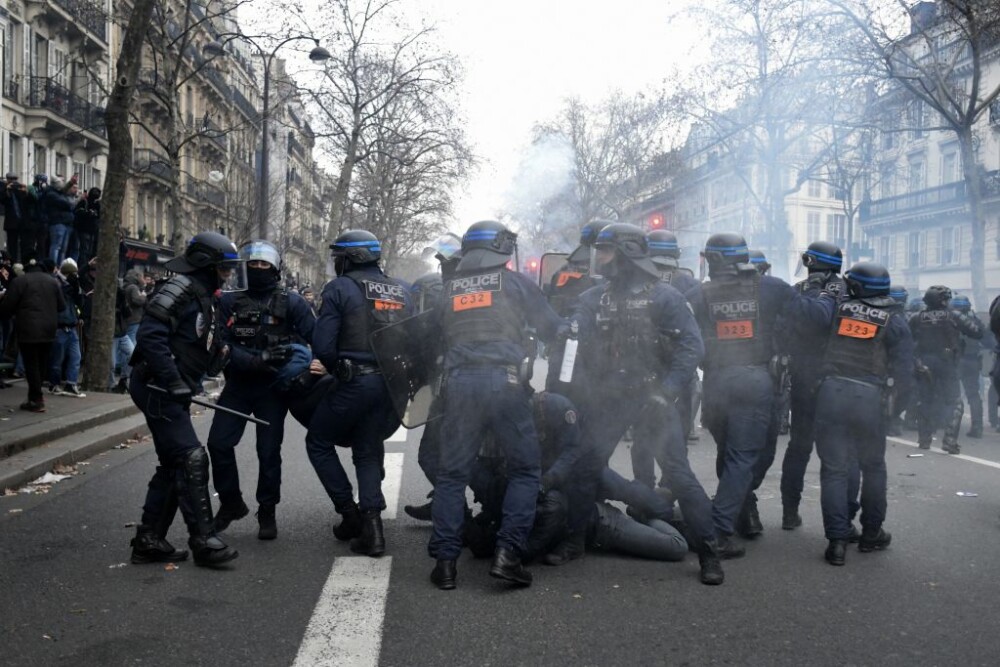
<point x="928" y="200"/>
<point x="214" y="133"/>
<point x="295" y="147"/>
<point x="46" y="93"/>
<point x="12" y="89"/>
<point x="147" y="162"/>
<point x="81" y="16"/>
<point x="244" y="105"/>
<point x="212" y="195"/>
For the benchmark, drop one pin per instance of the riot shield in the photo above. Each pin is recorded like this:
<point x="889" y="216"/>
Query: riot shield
<point x="406" y="354"/>
<point x="549" y="266"/>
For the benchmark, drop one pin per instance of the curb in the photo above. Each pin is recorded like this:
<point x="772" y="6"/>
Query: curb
<point x="35" y="435"/>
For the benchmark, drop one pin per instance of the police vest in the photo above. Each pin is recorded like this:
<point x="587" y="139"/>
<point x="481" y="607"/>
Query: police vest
<point x="567" y="285"/>
<point x="195" y="357"/>
<point x="259" y="325"/>
<point x="629" y="341"/>
<point x="856" y="346"/>
<point x="935" y="333"/>
<point x="479" y="308"/>
<point x="737" y="335"/>
<point x="385" y="304"/>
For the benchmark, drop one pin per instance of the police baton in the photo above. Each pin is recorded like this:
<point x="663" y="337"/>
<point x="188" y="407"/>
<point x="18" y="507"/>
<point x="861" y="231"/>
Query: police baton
<point x="213" y="406"/>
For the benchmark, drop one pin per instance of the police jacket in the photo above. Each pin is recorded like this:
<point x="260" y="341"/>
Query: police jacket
<point x="484" y="315"/>
<point x="353" y="306"/>
<point x="637" y="333"/>
<point x="566" y="286"/>
<point x="938" y="332"/>
<point x="679" y="279"/>
<point x="804" y="344"/>
<point x="256" y="321"/>
<point x="178" y="334"/>
<point x="558" y="434"/>
<point x="867" y="339"/>
<point x="739" y="316"/>
<point x="973" y="348"/>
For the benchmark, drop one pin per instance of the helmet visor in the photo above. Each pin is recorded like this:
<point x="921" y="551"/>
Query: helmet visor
<point x="446" y="246"/>
<point x="233" y="275"/>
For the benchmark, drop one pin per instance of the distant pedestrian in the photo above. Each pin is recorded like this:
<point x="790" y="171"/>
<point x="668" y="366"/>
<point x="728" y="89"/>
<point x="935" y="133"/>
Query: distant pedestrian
<point x="15" y="224"/>
<point x="35" y="300"/>
<point x="64" y="365"/>
<point x="87" y="225"/>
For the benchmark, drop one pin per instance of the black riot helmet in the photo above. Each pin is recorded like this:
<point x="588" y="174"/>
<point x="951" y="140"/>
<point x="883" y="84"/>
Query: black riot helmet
<point x="759" y="261"/>
<point x="725" y="252"/>
<point x="204" y="250"/>
<point x="961" y="303"/>
<point x="359" y="246"/>
<point x="663" y="248"/>
<point x="823" y="256"/>
<point x="630" y="246"/>
<point x="937" y="297"/>
<point x="588" y="235"/>
<point x="486" y="244"/>
<point x="899" y="294"/>
<point x="867" y="279"/>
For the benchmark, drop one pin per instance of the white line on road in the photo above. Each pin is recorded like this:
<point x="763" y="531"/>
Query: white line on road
<point x="392" y="483"/>
<point x="964" y="457"/>
<point x="346" y="625"/>
<point x="399" y="435"/>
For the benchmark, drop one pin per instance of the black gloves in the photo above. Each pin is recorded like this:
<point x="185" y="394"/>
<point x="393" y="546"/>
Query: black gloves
<point x="179" y="391"/>
<point x="276" y="356"/>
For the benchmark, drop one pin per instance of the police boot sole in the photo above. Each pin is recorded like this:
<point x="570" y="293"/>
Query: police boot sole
<point x="147" y="557"/>
<point x="222" y="520"/>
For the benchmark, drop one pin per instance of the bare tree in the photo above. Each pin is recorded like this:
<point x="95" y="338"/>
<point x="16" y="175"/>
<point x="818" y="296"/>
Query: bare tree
<point x="942" y="62"/>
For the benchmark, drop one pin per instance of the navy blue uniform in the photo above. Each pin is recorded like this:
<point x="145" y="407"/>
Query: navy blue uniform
<point x="358" y="413"/>
<point x="639" y="346"/>
<point x="484" y="314"/>
<point x="738" y="317"/>
<point x="250" y="387"/>
<point x="867" y="344"/>
<point x="970" y="368"/>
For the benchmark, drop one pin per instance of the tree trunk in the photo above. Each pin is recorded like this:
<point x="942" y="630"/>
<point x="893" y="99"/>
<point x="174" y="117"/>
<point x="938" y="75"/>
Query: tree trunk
<point x="343" y="186"/>
<point x="974" y="189"/>
<point x="102" y="326"/>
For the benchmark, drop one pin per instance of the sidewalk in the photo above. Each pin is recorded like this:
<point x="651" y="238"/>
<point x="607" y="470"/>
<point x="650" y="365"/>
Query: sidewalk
<point x="70" y="430"/>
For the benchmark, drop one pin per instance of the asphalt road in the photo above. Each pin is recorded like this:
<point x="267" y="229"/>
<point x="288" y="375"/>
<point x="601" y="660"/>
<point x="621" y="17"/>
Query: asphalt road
<point x="66" y="598"/>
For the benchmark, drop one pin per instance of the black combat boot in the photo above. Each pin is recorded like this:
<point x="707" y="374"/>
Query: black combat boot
<point x="443" y="575"/>
<point x="350" y="524"/>
<point x="196" y="505"/>
<point x="790" y="519"/>
<point x="420" y="512"/>
<point x="874" y="540"/>
<point x="975" y="432"/>
<point x="855" y="536"/>
<point x="569" y="549"/>
<point x="268" y="525"/>
<point x="372" y="541"/>
<point x="229" y="512"/>
<point x="950" y="445"/>
<point x="711" y="564"/>
<point x="727" y="549"/>
<point x="148" y="547"/>
<point x="507" y="566"/>
<point x="748" y="524"/>
<point x="836" y="552"/>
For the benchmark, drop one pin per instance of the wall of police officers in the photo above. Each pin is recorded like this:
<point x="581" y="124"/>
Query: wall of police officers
<point x="626" y="330"/>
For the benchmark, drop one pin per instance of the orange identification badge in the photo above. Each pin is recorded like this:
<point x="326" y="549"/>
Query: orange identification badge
<point x="471" y="300"/>
<point x="564" y="278"/>
<point x="856" y="328"/>
<point x="734" y="330"/>
<point x="387" y="305"/>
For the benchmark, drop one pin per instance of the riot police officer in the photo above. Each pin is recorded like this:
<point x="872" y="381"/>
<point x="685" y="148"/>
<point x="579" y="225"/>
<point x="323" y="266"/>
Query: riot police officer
<point x="937" y="332"/>
<point x="484" y="315"/>
<point x="824" y="261"/>
<point x="901" y="296"/>
<point x="868" y="345"/>
<point x="639" y="347"/>
<point x="737" y="311"/>
<point x="970" y="367"/>
<point x="260" y="325"/>
<point x="358" y="412"/>
<point x="177" y="344"/>
<point x="665" y="254"/>
<point x="759" y="261"/>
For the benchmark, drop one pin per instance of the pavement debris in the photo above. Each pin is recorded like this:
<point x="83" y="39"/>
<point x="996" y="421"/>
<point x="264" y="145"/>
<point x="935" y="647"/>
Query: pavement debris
<point x="967" y="494"/>
<point x="914" y="456"/>
<point x="117" y="566"/>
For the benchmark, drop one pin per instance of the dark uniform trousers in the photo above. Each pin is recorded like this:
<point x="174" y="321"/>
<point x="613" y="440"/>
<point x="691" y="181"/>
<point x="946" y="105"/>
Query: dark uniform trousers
<point x="940" y="399"/>
<point x="848" y="445"/>
<point x="800" y="437"/>
<point x="478" y="400"/>
<point x="356" y="414"/>
<point x="249" y="395"/>
<point x="969" y="369"/>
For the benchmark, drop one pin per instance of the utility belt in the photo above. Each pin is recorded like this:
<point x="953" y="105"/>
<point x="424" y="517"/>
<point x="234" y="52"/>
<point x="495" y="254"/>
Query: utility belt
<point x="347" y="370"/>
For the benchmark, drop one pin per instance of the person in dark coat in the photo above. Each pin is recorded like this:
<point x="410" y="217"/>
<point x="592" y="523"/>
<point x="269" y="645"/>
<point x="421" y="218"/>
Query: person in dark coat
<point x="15" y="223"/>
<point x="35" y="300"/>
<point x="87" y="224"/>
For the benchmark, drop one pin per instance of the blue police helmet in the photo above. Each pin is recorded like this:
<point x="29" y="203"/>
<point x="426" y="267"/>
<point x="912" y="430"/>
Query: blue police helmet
<point x="867" y="279"/>
<point x="823" y="256"/>
<point x="899" y="294"/>
<point x="486" y="244"/>
<point x="724" y="251"/>
<point x="588" y="235"/>
<point x="961" y="302"/>
<point x="357" y="245"/>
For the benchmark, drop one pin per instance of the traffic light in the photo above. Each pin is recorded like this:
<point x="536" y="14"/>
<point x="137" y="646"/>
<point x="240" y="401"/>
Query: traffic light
<point x="656" y="221"/>
<point x="531" y="266"/>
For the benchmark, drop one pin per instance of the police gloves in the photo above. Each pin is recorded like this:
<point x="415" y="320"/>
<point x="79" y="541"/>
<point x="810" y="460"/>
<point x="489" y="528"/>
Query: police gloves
<point x="276" y="356"/>
<point x="179" y="391"/>
<point x="817" y="280"/>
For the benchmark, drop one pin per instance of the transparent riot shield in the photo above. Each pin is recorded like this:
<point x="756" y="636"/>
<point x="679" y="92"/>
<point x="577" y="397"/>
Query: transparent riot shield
<point x="551" y="263"/>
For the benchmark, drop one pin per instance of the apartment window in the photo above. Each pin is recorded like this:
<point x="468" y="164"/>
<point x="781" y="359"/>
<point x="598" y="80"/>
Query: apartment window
<point x="949" y="243"/>
<point x="9" y="87"/>
<point x="14" y="154"/>
<point x="886" y="177"/>
<point x="933" y="247"/>
<point x="913" y="250"/>
<point x="40" y="161"/>
<point x="812" y="226"/>
<point x="949" y="167"/>
<point x="60" y="67"/>
<point x="884" y="254"/>
<point x="836" y="229"/>
<point x="815" y="189"/>
<point x="916" y="181"/>
<point x="917" y="120"/>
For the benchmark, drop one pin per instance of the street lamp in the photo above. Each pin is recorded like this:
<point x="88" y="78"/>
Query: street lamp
<point x="317" y="54"/>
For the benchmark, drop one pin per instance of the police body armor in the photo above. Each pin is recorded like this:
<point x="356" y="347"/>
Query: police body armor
<point x="935" y="333"/>
<point x="477" y="309"/>
<point x="257" y="325"/>
<point x="385" y="303"/>
<point x="856" y="346"/>
<point x="567" y="286"/>
<point x="629" y="341"/>
<point x="737" y="335"/>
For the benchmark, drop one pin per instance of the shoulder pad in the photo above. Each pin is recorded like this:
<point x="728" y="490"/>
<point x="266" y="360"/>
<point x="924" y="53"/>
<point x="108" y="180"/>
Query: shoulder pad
<point x="880" y="301"/>
<point x="170" y="299"/>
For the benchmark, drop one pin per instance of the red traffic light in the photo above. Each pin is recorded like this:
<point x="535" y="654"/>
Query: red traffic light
<point x="656" y="221"/>
<point x="533" y="264"/>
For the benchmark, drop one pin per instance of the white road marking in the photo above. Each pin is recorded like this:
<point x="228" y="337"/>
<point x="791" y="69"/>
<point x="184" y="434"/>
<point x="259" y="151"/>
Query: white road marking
<point x="346" y="624"/>
<point x="964" y="457"/>
<point x="392" y="483"/>
<point x="398" y="436"/>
